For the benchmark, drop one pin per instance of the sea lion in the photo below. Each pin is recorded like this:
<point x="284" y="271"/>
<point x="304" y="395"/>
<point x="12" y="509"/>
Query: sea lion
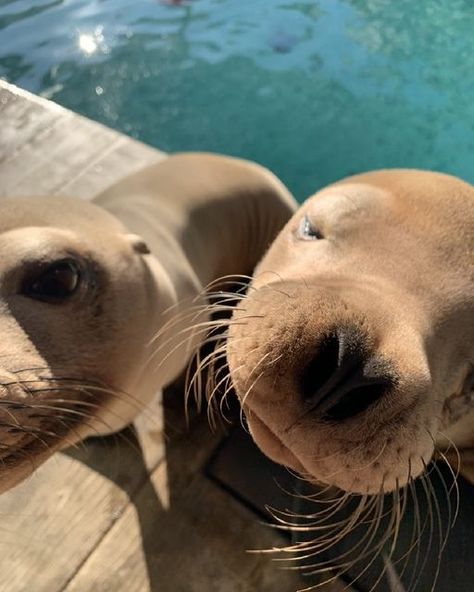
<point x="353" y="352"/>
<point x="98" y="299"/>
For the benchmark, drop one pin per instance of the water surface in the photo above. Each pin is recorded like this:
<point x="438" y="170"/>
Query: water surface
<point x="313" y="89"/>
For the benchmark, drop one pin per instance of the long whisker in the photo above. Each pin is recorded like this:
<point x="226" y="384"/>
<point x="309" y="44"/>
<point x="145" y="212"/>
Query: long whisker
<point x="76" y="382"/>
<point x="213" y="303"/>
<point x="191" y="333"/>
<point x="192" y="314"/>
<point x="430" y="521"/>
<point x="208" y="290"/>
<point x="442" y="539"/>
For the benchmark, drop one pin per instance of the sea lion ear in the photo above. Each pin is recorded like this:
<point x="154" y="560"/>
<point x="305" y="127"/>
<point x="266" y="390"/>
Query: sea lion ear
<point x="138" y="244"/>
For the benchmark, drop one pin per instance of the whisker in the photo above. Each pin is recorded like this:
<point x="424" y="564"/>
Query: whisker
<point x="439" y="523"/>
<point x="430" y="522"/>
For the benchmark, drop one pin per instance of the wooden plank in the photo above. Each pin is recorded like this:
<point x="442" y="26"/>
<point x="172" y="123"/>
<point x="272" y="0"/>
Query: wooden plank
<point x="63" y="152"/>
<point x="45" y="149"/>
<point x="126" y="155"/>
<point x="24" y="118"/>
<point x="54" y="520"/>
<point x="196" y="542"/>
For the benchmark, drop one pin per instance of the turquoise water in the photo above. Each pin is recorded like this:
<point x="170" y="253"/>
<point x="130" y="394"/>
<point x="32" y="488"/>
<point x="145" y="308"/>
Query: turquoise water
<point x="313" y="89"/>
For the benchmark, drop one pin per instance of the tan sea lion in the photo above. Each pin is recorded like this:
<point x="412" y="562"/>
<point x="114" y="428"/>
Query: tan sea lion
<point x="353" y="353"/>
<point x="98" y="299"/>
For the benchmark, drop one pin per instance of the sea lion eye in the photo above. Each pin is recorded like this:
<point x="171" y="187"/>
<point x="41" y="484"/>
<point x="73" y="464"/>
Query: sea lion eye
<point x="54" y="283"/>
<point x="306" y="230"/>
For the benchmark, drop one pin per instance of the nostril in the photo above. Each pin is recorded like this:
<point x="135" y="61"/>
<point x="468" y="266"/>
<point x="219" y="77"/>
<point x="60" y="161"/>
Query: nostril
<point x="321" y="367"/>
<point x="342" y="380"/>
<point x="356" y="401"/>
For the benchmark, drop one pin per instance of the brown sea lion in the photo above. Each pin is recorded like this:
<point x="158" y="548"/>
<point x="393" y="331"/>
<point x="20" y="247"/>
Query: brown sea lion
<point x="97" y="299"/>
<point x="353" y="353"/>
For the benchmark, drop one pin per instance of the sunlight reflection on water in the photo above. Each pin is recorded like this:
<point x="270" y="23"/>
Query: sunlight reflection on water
<point x="314" y="89"/>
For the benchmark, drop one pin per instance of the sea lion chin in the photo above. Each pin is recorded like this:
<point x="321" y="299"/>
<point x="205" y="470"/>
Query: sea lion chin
<point x="98" y="300"/>
<point x="353" y="352"/>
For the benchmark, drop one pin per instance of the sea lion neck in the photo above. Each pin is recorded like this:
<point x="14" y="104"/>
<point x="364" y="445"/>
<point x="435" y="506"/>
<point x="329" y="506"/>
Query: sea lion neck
<point x="222" y="213"/>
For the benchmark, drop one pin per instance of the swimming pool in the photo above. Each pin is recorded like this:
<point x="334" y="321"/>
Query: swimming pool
<point x="313" y="89"/>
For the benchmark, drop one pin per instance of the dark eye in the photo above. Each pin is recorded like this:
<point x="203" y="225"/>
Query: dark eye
<point x="306" y="231"/>
<point x="54" y="283"/>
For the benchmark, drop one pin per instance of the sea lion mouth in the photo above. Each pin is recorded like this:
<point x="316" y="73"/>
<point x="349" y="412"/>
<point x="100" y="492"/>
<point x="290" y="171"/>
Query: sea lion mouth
<point x="352" y="458"/>
<point x="22" y="460"/>
<point x="264" y="435"/>
<point x="41" y="414"/>
<point x="28" y="451"/>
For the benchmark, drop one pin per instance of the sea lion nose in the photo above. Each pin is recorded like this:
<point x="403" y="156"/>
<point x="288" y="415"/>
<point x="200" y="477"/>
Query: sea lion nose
<point x="343" y="379"/>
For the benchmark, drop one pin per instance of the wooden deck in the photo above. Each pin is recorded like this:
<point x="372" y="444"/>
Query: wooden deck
<point x="115" y="515"/>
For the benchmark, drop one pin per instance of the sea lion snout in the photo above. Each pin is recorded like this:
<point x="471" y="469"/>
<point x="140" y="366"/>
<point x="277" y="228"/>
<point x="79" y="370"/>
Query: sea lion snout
<point x="326" y="384"/>
<point x="352" y="349"/>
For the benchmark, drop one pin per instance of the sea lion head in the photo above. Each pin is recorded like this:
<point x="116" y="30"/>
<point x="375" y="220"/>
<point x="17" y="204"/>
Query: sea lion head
<point x="353" y="352"/>
<point x="77" y="304"/>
